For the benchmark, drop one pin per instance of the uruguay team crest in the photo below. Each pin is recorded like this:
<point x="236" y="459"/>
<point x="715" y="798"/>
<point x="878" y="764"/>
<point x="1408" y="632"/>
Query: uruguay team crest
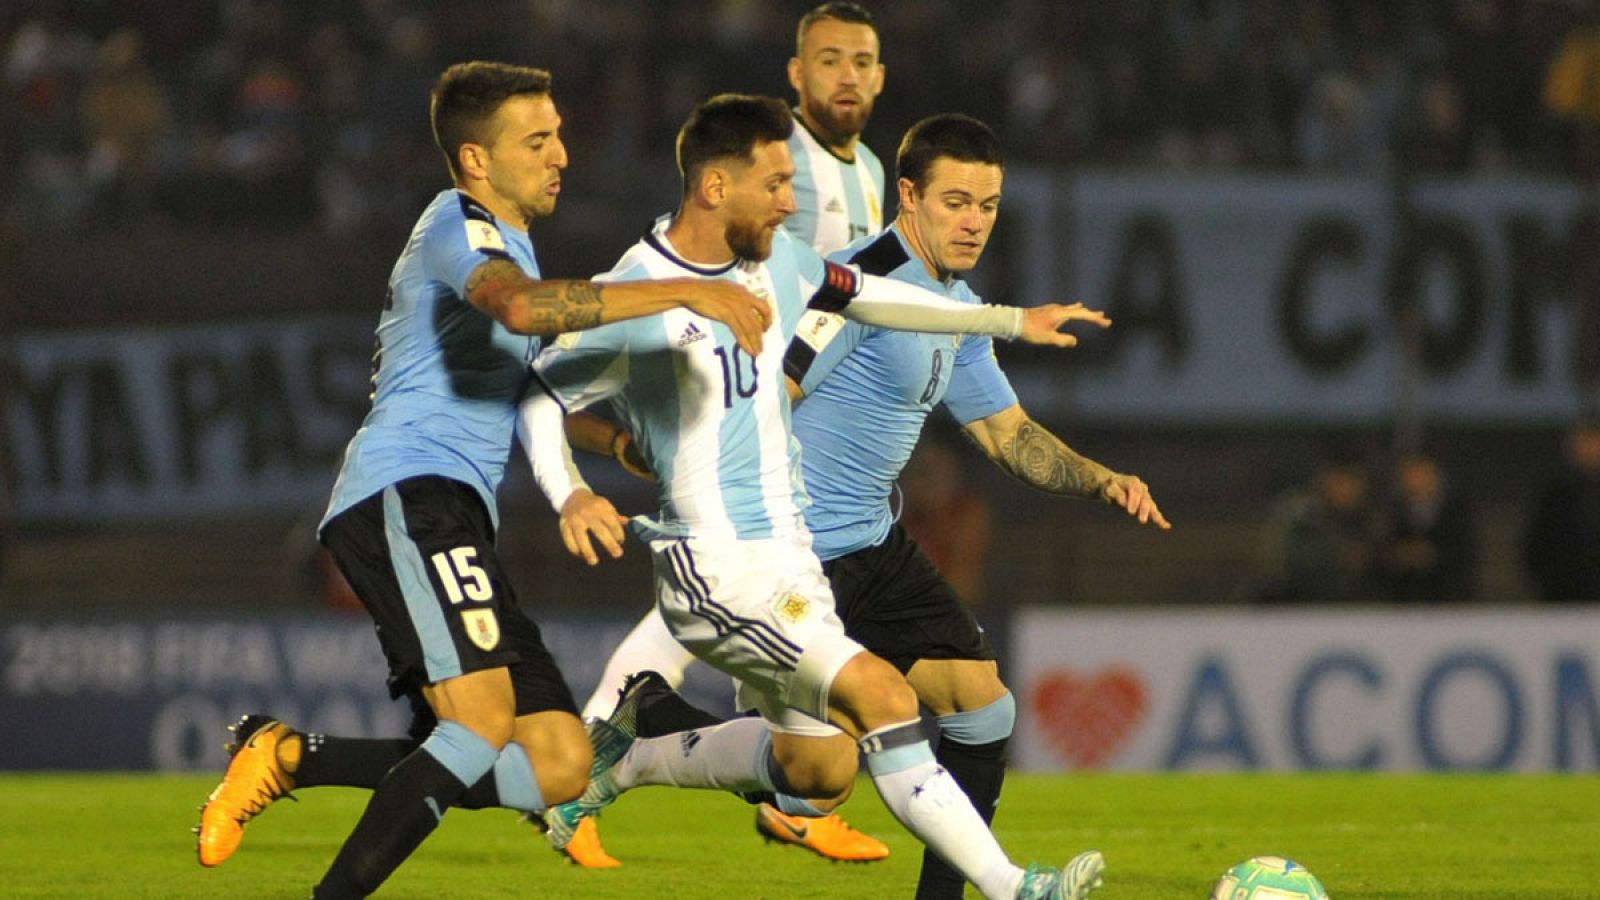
<point x="483" y="629"/>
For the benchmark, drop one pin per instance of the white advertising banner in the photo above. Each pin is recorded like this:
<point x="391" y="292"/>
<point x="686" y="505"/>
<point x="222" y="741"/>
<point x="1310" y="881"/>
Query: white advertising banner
<point x="1244" y="299"/>
<point x="1433" y="690"/>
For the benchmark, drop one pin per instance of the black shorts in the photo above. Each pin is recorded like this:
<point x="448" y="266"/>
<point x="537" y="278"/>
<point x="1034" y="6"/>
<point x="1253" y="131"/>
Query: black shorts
<point x="420" y="555"/>
<point x="896" y="604"/>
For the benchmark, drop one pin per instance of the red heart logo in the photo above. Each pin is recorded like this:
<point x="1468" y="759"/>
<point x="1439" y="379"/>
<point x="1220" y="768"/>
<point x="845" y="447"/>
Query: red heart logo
<point x="1088" y="717"/>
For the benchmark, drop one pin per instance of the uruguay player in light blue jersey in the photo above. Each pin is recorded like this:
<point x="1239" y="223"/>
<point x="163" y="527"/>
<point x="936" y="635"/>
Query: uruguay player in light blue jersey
<point x="412" y="518"/>
<point x="837" y="76"/>
<point x="867" y="394"/>
<point x="736" y="580"/>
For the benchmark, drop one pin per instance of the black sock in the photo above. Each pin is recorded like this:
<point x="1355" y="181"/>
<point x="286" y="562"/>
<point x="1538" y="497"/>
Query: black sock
<point x="484" y="794"/>
<point x="347" y="762"/>
<point x="362" y="762"/>
<point x="403" y="811"/>
<point x="756" y="798"/>
<point x="980" y="769"/>
<point x="668" y="713"/>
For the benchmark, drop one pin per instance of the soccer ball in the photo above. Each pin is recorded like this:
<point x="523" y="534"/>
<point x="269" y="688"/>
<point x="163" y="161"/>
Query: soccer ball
<point x="1268" y="878"/>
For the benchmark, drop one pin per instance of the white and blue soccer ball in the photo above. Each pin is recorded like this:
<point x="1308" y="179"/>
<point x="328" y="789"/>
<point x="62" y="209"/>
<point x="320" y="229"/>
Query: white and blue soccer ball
<point x="1268" y="878"/>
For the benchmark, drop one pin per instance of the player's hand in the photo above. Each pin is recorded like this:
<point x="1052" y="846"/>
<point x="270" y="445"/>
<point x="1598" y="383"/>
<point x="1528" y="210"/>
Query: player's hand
<point x="1042" y="324"/>
<point x="625" y="450"/>
<point x="1132" y="494"/>
<point x="743" y="312"/>
<point x="587" y="517"/>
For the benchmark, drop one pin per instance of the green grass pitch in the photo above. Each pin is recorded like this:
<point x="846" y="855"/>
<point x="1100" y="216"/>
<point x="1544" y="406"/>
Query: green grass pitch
<point x="1165" y="837"/>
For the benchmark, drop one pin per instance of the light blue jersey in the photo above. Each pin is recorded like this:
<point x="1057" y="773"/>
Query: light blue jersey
<point x="447" y="377"/>
<point x="867" y="394"/>
<point x="837" y="201"/>
<point x="711" y="421"/>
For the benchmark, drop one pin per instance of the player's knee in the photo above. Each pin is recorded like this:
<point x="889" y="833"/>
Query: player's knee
<point x="871" y="694"/>
<point x="559" y="785"/>
<point x="824" y="779"/>
<point x="562" y="771"/>
<point x="982" y="689"/>
<point x="889" y="700"/>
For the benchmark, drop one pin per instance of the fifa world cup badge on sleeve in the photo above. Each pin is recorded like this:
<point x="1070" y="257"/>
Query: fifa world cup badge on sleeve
<point x="482" y="628"/>
<point x="484" y="236"/>
<point x="817" y="328"/>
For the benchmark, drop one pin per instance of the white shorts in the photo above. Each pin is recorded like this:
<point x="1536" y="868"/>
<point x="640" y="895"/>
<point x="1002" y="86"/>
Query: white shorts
<point x="761" y="611"/>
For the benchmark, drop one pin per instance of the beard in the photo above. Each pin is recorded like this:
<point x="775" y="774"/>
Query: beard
<point x="749" y="239"/>
<point x="838" y="128"/>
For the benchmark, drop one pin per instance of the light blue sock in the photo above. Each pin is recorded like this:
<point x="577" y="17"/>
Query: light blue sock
<point x="515" y="782"/>
<point x="466" y="756"/>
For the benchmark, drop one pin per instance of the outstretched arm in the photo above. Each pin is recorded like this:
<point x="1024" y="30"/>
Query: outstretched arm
<point x="1038" y="458"/>
<point x="891" y="303"/>
<point x="524" y="305"/>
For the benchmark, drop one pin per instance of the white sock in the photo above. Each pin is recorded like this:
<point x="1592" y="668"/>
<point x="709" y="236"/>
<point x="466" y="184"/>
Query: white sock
<point x="648" y="646"/>
<point x="930" y="804"/>
<point x="733" y="756"/>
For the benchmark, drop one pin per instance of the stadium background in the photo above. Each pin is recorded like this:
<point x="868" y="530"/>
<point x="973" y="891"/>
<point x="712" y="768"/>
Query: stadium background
<point x="1356" y="224"/>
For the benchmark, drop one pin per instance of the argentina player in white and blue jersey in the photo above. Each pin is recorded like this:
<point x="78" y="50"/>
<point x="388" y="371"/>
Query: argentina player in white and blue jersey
<point x="838" y="190"/>
<point x="867" y="394"/>
<point x="837" y="75"/>
<point x="736" y="580"/>
<point x="412" y="518"/>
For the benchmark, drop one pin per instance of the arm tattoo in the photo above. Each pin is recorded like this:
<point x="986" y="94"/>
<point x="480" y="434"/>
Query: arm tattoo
<point x="1039" y="458"/>
<point x="542" y="307"/>
<point x="559" y="306"/>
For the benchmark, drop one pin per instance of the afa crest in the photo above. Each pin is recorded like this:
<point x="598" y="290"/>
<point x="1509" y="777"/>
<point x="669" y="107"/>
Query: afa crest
<point x="793" y="607"/>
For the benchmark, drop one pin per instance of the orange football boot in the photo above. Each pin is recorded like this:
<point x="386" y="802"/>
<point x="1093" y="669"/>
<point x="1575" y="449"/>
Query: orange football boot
<point x="585" y="850"/>
<point x="256" y="777"/>
<point x="829" y="837"/>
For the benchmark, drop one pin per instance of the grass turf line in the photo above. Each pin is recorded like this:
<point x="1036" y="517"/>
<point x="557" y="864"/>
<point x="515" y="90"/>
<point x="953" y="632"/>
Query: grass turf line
<point x="1165" y="837"/>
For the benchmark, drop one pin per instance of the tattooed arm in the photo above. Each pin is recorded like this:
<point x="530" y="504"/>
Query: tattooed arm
<point x="524" y="305"/>
<point x="500" y="288"/>
<point x="1038" y="458"/>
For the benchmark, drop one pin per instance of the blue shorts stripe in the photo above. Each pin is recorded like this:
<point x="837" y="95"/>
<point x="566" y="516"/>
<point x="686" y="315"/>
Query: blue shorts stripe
<point x="760" y="635"/>
<point x="438" y="648"/>
<point x="772" y="633"/>
<point x="750" y="628"/>
<point x="721" y="622"/>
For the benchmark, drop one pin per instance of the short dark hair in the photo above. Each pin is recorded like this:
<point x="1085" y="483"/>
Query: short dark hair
<point x="842" y="10"/>
<point x="729" y="126"/>
<point x="466" y="97"/>
<point x="945" y="136"/>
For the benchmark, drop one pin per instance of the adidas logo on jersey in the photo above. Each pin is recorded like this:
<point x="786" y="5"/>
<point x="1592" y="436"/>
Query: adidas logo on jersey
<point x="691" y="334"/>
<point x="834" y="206"/>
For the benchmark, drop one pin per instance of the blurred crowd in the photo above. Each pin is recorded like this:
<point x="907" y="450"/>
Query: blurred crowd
<point x="296" y="112"/>
<point x="1405" y="532"/>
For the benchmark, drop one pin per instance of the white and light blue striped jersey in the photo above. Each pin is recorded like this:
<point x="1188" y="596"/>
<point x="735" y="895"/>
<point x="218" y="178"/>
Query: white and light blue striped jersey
<point x="868" y="393"/>
<point x="712" y="422"/>
<point x="447" y="377"/>
<point x="837" y="201"/>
